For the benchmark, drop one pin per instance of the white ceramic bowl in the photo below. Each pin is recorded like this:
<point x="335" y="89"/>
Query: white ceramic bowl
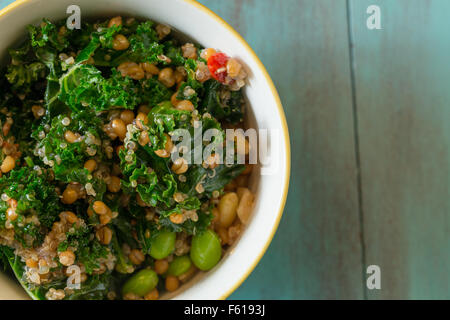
<point x="265" y="112"/>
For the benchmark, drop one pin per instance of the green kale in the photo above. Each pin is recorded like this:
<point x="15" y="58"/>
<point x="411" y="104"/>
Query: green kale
<point x="150" y="176"/>
<point x="54" y="106"/>
<point x="49" y="34"/>
<point x="144" y="46"/>
<point x="164" y="118"/>
<point x="83" y="87"/>
<point x="189" y="226"/>
<point x="190" y="66"/>
<point x="23" y="76"/>
<point x="229" y="109"/>
<point x="123" y="264"/>
<point x="122" y="227"/>
<point x="67" y="159"/>
<point x="49" y="58"/>
<point x="103" y="38"/>
<point x="153" y="191"/>
<point x="211" y="180"/>
<point x="35" y="195"/>
<point x="21" y="54"/>
<point x="154" y="92"/>
<point x="88" y="251"/>
<point x="141" y="229"/>
<point x="23" y="119"/>
<point x="174" y="52"/>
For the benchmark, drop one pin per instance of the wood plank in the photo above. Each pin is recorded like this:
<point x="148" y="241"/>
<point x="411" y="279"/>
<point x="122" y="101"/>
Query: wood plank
<point x="316" y="252"/>
<point x="403" y="97"/>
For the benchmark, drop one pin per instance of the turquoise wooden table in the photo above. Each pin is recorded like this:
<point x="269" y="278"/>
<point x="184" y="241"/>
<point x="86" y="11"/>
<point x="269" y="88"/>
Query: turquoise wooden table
<point x="369" y="120"/>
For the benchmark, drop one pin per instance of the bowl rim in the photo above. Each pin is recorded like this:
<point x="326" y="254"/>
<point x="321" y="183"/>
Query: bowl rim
<point x="17" y="3"/>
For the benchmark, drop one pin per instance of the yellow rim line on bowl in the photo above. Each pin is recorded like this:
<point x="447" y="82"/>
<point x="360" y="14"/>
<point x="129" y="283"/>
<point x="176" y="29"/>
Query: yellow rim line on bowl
<point x="208" y="11"/>
<point x="285" y="131"/>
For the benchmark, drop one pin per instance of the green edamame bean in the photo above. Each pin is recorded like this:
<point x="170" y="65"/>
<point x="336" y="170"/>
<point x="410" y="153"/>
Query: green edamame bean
<point x="162" y="245"/>
<point x="206" y="250"/>
<point x="141" y="283"/>
<point x="179" y="265"/>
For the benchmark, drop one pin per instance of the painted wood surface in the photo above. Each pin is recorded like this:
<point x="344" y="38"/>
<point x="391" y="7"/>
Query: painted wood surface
<point x="403" y="134"/>
<point x="316" y="252"/>
<point x="403" y="105"/>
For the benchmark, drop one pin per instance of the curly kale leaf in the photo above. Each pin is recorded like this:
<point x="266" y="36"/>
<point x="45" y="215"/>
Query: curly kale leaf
<point x="164" y="118"/>
<point x="122" y="226"/>
<point x="21" y="54"/>
<point x="103" y="37"/>
<point x="28" y="65"/>
<point x="22" y="116"/>
<point x="78" y="87"/>
<point x="142" y="226"/>
<point x="211" y="180"/>
<point x="67" y="159"/>
<point x="89" y="251"/>
<point x="156" y="186"/>
<point x="191" y="66"/>
<point x="84" y="85"/>
<point x="229" y="109"/>
<point x="123" y="264"/>
<point x="48" y="55"/>
<point x="189" y="226"/>
<point x="119" y="91"/>
<point x="23" y="76"/>
<point x="172" y="51"/>
<point x="141" y="51"/>
<point x="49" y="58"/>
<point x="48" y="34"/>
<point x="154" y="92"/>
<point x="152" y="190"/>
<point x="35" y="196"/>
<point x="144" y="46"/>
<point x="54" y="105"/>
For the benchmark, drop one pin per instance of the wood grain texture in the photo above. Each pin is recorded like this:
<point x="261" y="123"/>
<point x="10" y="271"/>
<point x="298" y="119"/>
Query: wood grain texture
<point x="403" y="98"/>
<point x="316" y="252"/>
<point x="401" y="85"/>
